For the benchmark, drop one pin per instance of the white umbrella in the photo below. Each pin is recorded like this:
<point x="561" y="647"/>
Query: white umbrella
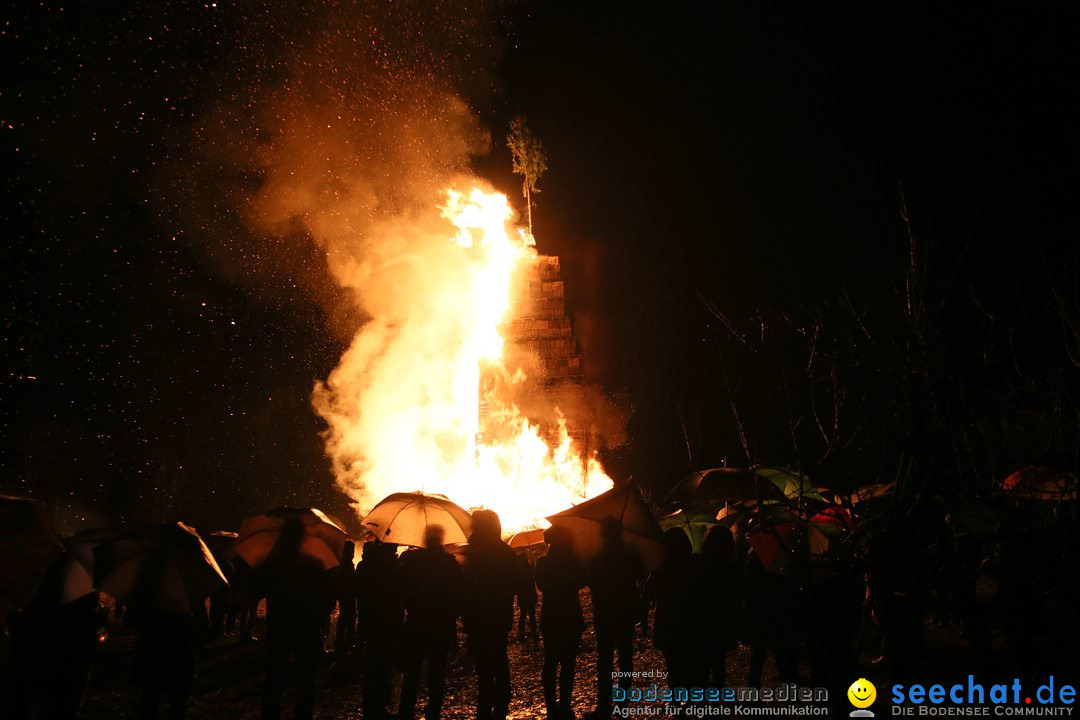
<point x="403" y="518"/>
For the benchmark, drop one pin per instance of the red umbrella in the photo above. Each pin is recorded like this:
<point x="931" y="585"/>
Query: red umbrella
<point x="773" y="542"/>
<point x="1040" y="483"/>
<point x="323" y="538"/>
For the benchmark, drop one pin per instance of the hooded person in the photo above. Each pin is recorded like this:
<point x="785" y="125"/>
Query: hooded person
<point x="490" y="574"/>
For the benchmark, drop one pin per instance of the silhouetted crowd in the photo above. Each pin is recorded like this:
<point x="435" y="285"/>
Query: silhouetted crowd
<point x="401" y="612"/>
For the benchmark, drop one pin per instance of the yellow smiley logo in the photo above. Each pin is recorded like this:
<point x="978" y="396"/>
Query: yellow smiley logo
<point x="862" y="693"/>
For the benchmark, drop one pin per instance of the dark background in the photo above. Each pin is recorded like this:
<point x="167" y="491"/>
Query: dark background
<point x="746" y="160"/>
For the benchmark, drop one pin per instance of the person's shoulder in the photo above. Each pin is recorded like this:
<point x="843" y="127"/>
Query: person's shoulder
<point x="447" y="560"/>
<point x="630" y="553"/>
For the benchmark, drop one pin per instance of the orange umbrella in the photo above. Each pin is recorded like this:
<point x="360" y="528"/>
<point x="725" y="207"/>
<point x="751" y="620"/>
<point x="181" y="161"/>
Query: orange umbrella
<point x="527" y="538"/>
<point x="323" y="539"/>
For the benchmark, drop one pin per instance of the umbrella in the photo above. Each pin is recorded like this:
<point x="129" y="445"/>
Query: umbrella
<point x="1040" y="483"/>
<point x="28" y="546"/>
<point x="794" y="485"/>
<point x="67" y="580"/>
<point x="221" y="543"/>
<point x="72" y="576"/>
<point x="165" y="566"/>
<point x="774" y="540"/>
<point x="717" y="487"/>
<point x="624" y="503"/>
<point x="730" y="514"/>
<point x="873" y="492"/>
<point x="695" y="525"/>
<point x="527" y="538"/>
<point x="323" y="539"/>
<point x="973" y="519"/>
<point x="713" y="488"/>
<point x="403" y="518"/>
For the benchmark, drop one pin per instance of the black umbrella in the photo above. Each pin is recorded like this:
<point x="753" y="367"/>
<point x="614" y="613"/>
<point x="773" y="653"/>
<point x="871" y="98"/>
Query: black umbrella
<point x="29" y="545"/>
<point x="708" y="490"/>
<point x="167" y="567"/>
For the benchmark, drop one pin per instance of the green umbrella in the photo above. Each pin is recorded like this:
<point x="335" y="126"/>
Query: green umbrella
<point x="695" y="525"/>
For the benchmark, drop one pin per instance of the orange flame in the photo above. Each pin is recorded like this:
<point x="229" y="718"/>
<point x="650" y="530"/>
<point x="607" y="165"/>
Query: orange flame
<point x="403" y="405"/>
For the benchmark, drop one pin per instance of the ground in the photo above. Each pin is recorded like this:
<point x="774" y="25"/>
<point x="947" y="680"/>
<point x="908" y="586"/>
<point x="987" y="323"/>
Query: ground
<point x="229" y="679"/>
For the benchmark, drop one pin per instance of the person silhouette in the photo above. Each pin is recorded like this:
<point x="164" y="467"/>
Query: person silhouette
<point x="52" y="646"/>
<point x="490" y="573"/>
<point x="430" y="582"/>
<point x="345" y="582"/>
<point x="560" y="576"/>
<point x="722" y="592"/>
<point x="614" y="575"/>
<point x="526" y="597"/>
<point x="677" y="586"/>
<point x="299" y="597"/>
<point x="380" y="614"/>
<point x="169" y="640"/>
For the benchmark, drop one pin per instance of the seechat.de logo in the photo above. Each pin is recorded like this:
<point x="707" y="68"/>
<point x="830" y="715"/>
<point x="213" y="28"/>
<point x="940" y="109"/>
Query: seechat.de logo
<point x="975" y="699"/>
<point x="862" y="694"/>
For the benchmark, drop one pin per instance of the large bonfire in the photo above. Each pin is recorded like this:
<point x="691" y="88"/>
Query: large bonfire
<point x="404" y="404"/>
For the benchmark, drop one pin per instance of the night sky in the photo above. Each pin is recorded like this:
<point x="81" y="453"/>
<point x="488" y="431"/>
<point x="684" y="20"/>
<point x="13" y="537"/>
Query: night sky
<point x="159" y="352"/>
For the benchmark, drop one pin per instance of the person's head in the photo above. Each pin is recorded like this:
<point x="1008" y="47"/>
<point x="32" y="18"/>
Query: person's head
<point x="290" y="538"/>
<point x="719" y="544"/>
<point x="677" y="543"/>
<point x="347" y="552"/>
<point x="433" y="536"/>
<point x="559" y="538"/>
<point x="486" y="526"/>
<point x="611" y="531"/>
